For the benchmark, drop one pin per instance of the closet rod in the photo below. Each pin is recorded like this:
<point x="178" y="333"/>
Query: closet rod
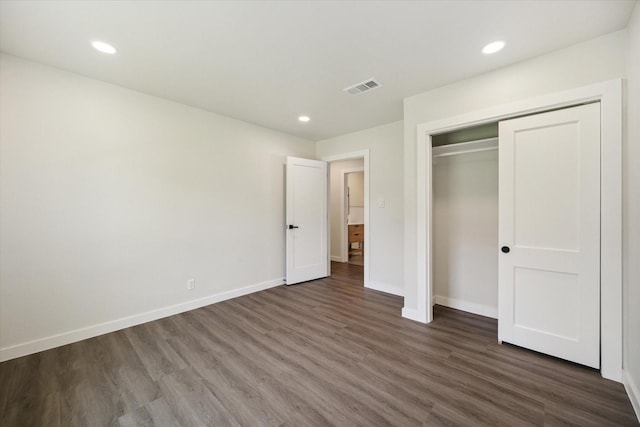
<point x="465" y="147"/>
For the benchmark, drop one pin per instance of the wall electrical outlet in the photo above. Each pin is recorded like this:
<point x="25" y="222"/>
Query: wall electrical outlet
<point x="191" y="284"/>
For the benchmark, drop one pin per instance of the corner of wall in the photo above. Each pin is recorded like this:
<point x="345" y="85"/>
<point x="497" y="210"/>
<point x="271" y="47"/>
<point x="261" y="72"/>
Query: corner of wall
<point x="632" y="391"/>
<point x="631" y="216"/>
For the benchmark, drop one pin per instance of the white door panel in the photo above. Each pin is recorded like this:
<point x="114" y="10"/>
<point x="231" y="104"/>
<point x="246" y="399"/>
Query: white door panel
<point x="546" y="169"/>
<point x="307" y="249"/>
<point x="549" y="191"/>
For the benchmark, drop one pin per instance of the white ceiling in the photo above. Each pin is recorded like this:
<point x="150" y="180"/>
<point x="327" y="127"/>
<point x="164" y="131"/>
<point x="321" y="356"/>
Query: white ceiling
<point x="267" y="62"/>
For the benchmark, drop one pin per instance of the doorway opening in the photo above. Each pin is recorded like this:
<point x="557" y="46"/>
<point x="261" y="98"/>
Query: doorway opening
<point x="349" y="243"/>
<point x="355" y="217"/>
<point x="346" y="214"/>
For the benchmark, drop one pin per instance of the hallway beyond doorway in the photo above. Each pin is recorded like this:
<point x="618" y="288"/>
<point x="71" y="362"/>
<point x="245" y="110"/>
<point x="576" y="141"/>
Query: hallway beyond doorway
<point x="347" y="272"/>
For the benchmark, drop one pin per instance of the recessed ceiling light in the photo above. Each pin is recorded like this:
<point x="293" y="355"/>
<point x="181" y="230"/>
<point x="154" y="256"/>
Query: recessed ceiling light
<point x="493" y="47"/>
<point x="304" y="119"/>
<point x="103" y="47"/>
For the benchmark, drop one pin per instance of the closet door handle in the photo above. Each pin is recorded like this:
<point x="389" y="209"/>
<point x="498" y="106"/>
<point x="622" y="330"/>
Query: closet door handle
<point x="505" y="249"/>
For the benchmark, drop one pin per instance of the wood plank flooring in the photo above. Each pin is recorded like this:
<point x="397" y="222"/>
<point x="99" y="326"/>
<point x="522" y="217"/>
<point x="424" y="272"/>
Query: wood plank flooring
<point x="357" y="259"/>
<point x="327" y="352"/>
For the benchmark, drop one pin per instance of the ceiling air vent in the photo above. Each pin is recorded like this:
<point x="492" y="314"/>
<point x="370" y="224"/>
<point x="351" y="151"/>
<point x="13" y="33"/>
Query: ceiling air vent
<point x="361" y="87"/>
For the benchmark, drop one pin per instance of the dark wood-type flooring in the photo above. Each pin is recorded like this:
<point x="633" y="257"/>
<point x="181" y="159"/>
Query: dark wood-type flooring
<point x="327" y="352"/>
<point x="357" y="259"/>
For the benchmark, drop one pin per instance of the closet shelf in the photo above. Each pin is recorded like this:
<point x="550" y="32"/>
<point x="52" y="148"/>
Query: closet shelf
<point x="465" y="147"/>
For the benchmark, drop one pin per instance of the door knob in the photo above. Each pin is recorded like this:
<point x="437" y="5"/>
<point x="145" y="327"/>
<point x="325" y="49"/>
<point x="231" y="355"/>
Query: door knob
<point x="505" y="249"/>
<point x="291" y="227"/>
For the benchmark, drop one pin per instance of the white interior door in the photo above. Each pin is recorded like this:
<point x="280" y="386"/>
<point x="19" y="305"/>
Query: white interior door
<point x="306" y="228"/>
<point x="549" y="230"/>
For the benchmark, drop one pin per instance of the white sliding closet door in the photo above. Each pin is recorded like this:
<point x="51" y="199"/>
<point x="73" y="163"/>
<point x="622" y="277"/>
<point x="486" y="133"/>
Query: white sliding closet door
<point x="549" y="230"/>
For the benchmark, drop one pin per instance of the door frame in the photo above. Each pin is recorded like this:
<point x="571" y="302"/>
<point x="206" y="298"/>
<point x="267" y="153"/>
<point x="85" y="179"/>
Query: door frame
<point x="361" y="154"/>
<point x="609" y="94"/>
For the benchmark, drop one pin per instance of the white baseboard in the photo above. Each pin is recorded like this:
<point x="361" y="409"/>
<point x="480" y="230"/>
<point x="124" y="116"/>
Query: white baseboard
<point x="383" y="287"/>
<point x="610" y="373"/>
<point x="47" y="343"/>
<point x="337" y="258"/>
<point x="471" y="307"/>
<point x="413" y="314"/>
<point x="633" y="391"/>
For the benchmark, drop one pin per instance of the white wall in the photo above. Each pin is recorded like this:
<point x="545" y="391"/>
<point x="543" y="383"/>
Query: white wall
<point x="385" y="224"/>
<point x="355" y="181"/>
<point x="631" y="217"/>
<point x="465" y="232"/>
<point x="111" y="200"/>
<point x="336" y="214"/>
<point x="594" y="61"/>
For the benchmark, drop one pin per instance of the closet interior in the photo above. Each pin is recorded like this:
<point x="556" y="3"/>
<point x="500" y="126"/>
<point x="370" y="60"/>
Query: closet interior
<point x="465" y="219"/>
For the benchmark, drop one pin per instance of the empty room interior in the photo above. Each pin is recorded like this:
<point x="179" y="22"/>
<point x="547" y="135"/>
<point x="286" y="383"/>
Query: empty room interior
<point x="289" y="213"/>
